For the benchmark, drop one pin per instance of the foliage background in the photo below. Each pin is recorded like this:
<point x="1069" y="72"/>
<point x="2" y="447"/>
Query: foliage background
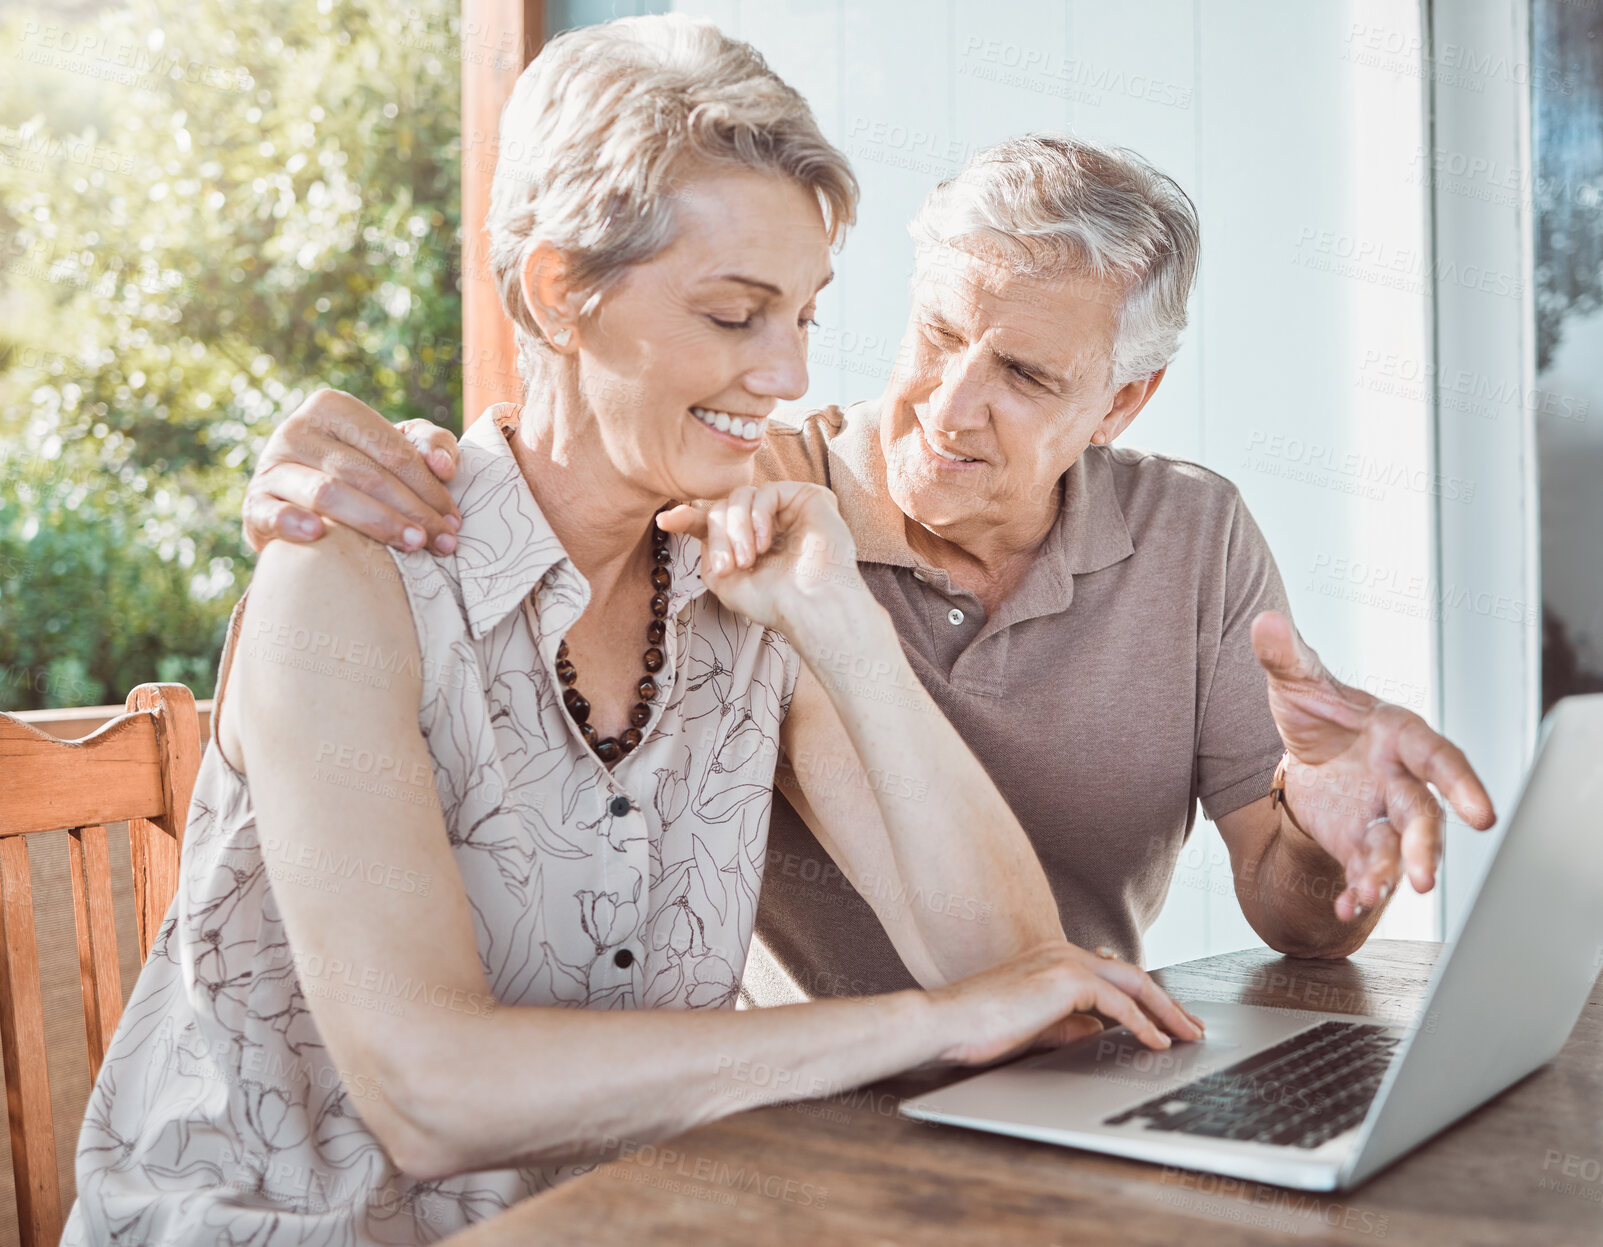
<point x="207" y="210"/>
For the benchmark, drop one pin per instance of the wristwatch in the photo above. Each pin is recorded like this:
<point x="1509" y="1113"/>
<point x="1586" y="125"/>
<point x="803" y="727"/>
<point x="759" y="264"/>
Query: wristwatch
<point x="1277" y="793"/>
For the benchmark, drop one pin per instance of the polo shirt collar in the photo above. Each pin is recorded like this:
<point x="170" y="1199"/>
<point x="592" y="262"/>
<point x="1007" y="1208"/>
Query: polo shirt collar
<point x="1089" y="533"/>
<point x="506" y="551"/>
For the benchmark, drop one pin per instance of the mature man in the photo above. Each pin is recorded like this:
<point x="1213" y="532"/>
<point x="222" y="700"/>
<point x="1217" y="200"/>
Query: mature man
<point x="1105" y="627"/>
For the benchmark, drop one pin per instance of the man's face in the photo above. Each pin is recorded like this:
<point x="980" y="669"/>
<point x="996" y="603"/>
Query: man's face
<point x="1000" y="384"/>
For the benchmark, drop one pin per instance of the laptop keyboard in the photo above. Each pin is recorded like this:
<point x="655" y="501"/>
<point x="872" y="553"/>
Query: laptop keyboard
<point x="1299" y="1093"/>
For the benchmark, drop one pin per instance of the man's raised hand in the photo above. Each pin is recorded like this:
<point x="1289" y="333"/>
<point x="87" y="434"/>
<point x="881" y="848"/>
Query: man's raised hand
<point x="1360" y="770"/>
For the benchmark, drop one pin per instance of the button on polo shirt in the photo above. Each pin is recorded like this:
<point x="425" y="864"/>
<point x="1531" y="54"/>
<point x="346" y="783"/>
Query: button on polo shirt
<point x="1107" y="696"/>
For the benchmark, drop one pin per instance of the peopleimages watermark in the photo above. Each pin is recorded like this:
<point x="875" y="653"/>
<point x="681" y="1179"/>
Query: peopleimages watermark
<point x="754" y="1097"/>
<point x="139" y="65"/>
<point x="834" y="768"/>
<point x="1315" y="463"/>
<point x="344" y="658"/>
<point x="1379" y="262"/>
<point x="874" y="679"/>
<point x="326" y="869"/>
<point x="369" y="987"/>
<point x="1450" y="64"/>
<point x="26" y="255"/>
<point x="1036" y="68"/>
<point x="667" y="1167"/>
<point x="65" y="685"/>
<point x="1568" y="1173"/>
<point x="1267" y="1207"/>
<point x="764" y="1083"/>
<point x="357" y="768"/>
<point x="1367" y="583"/>
<point x="1462" y="389"/>
<point x="323" y="1190"/>
<point x="1121" y="1059"/>
<point x="468" y="39"/>
<point x="255" y="1065"/>
<point x="1475" y="175"/>
<point x="29" y="147"/>
<point x="1387" y="688"/>
<point x="832" y="887"/>
<point x="862" y="354"/>
<point x="901" y="146"/>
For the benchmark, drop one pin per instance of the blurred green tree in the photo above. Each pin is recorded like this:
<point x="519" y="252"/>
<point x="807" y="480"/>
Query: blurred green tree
<point x="207" y="210"/>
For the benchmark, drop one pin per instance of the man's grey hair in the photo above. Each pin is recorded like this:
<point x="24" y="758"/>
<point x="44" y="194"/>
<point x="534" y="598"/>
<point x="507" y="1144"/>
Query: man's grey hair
<point x="609" y="120"/>
<point x="1051" y="204"/>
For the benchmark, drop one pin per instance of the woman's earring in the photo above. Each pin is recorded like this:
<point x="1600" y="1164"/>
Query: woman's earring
<point x="562" y="336"/>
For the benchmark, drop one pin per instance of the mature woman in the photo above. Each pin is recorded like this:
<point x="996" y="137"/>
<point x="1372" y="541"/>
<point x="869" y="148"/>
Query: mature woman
<point x="471" y="867"/>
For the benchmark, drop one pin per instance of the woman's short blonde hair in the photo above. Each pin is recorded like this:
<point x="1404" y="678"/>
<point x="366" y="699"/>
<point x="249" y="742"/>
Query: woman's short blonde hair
<point x="608" y="119"/>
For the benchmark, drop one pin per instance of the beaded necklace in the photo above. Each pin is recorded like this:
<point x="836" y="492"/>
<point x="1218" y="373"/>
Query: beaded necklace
<point x="611" y="748"/>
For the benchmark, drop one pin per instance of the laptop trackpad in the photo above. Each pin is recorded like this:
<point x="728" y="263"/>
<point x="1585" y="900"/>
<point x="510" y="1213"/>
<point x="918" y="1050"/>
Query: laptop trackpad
<point x="1118" y="1056"/>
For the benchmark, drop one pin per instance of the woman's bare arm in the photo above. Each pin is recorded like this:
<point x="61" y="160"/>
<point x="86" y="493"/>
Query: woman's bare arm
<point x="909" y="815"/>
<point x="883" y="779"/>
<point x="322" y="715"/>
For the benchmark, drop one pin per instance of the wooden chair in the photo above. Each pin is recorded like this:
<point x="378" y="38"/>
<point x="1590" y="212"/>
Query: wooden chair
<point x="140" y="767"/>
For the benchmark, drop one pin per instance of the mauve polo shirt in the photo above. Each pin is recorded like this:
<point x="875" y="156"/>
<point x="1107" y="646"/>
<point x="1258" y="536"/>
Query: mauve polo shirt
<point x="1112" y="691"/>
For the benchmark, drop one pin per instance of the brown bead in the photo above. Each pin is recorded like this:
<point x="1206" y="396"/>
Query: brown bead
<point x="577" y="706"/>
<point x="609" y="751"/>
<point x="656" y="632"/>
<point x="630" y="740"/>
<point x="562" y="650"/>
<point x="566" y="672"/>
<point x="591" y="736"/>
<point x="662" y="554"/>
<point x="653" y="660"/>
<point x="661" y="578"/>
<point x="648" y="688"/>
<point x="640" y="715"/>
<point x="659" y="605"/>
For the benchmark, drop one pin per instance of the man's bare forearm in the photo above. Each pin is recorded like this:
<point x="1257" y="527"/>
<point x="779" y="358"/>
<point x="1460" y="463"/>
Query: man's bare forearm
<point x="1289" y="896"/>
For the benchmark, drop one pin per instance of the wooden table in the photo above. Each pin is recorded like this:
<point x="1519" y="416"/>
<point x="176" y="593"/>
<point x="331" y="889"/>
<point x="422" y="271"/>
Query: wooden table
<point x="1523" y="1169"/>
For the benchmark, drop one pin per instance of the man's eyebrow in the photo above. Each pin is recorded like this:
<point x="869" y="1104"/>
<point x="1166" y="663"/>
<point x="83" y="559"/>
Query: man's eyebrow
<point x="1047" y="375"/>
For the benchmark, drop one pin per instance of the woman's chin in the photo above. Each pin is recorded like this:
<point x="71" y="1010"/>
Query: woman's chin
<point x="695" y="480"/>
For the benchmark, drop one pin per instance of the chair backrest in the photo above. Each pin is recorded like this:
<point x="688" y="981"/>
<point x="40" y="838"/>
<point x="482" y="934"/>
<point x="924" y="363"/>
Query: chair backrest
<point x="140" y="767"/>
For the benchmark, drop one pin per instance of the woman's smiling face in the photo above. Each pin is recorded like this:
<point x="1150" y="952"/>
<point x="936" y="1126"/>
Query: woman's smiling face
<point x="686" y="355"/>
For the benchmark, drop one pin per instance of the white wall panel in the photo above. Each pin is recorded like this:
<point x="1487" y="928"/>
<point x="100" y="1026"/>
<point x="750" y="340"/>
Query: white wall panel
<point x="1488" y="600"/>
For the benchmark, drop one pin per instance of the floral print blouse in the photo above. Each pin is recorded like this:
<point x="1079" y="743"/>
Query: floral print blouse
<point x="218" y="1115"/>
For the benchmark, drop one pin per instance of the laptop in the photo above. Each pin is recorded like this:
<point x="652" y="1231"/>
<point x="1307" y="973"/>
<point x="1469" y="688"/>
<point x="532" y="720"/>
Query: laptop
<point x="1322" y="1101"/>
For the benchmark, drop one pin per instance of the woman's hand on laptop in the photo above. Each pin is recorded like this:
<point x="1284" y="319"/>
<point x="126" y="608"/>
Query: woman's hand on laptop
<point x="336" y="459"/>
<point x="1358" y="778"/>
<point x="1043" y="998"/>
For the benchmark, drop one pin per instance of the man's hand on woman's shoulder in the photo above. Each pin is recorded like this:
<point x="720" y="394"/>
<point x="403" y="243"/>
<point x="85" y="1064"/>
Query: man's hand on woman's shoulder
<point x="336" y="459"/>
